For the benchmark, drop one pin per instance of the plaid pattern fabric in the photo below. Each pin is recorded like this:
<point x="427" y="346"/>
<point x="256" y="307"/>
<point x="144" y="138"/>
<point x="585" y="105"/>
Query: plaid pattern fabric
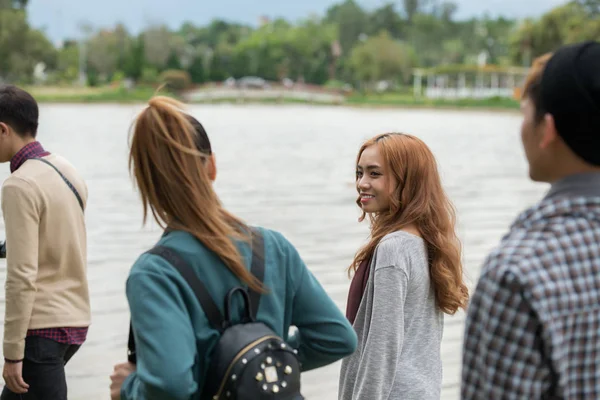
<point x="62" y="335"/>
<point x="533" y="325"/>
<point x="31" y="150"/>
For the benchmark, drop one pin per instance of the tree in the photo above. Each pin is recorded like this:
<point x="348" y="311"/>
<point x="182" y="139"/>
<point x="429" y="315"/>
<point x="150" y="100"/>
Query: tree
<point x="21" y="48"/>
<point x="13" y="31"/>
<point x="67" y="66"/>
<point x="413" y="7"/>
<point x="15" y="4"/>
<point x="133" y="65"/>
<point x="447" y="11"/>
<point x="123" y="45"/>
<point x="173" y="62"/>
<point x="591" y="6"/>
<point x="352" y="21"/>
<point x="386" y="19"/>
<point x="160" y="44"/>
<point x="381" y="58"/>
<point x="39" y="49"/>
<point x="103" y="53"/>
<point x="217" y="69"/>
<point x="196" y="70"/>
<point x="264" y="48"/>
<point x="454" y="51"/>
<point x="307" y="51"/>
<point x="562" y="25"/>
<point x="427" y="33"/>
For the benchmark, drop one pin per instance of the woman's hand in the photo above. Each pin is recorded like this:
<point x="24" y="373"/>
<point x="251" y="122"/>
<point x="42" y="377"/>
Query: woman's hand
<point x="121" y="372"/>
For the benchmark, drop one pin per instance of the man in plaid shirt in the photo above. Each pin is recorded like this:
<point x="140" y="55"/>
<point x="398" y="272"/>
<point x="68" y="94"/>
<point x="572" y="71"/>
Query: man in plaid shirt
<point x="533" y="326"/>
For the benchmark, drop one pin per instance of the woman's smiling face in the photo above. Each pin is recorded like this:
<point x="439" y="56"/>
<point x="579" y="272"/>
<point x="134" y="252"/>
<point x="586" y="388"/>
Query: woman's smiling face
<point x="373" y="181"/>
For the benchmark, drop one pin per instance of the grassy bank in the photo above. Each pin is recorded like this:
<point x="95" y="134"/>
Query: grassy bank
<point x="408" y="100"/>
<point x="92" y="95"/>
<point x="142" y="94"/>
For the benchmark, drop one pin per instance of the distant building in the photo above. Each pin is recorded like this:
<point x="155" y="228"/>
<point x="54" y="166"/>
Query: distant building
<point x="469" y="81"/>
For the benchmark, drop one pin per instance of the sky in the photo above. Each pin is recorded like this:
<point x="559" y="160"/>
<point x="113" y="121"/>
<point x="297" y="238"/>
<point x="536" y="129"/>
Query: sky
<point x="61" y="19"/>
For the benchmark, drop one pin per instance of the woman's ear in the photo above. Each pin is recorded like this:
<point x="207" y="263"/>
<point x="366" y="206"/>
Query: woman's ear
<point x="212" y="167"/>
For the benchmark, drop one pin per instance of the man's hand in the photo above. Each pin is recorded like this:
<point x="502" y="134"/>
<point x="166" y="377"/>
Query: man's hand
<point x="13" y="376"/>
<point x="122" y="371"/>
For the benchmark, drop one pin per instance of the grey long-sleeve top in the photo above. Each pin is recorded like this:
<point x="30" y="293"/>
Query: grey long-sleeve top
<point x="399" y="328"/>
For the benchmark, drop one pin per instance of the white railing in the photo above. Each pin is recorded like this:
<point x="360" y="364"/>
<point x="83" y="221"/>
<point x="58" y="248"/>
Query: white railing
<point x="467" y="93"/>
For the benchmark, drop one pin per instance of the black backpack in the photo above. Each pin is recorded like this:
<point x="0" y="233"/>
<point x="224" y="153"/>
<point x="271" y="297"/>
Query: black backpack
<point x="250" y="361"/>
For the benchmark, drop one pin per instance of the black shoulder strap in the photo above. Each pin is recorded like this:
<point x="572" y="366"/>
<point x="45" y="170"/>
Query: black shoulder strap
<point x="257" y="268"/>
<point x="69" y="184"/>
<point x="131" y="355"/>
<point x="210" y="308"/>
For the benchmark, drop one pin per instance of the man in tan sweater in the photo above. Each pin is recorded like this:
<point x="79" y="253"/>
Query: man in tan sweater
<point x="47" y="299"/>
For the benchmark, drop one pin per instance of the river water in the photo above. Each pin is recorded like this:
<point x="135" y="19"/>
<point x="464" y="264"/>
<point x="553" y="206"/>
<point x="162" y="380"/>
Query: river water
<point x="289" y="168"/>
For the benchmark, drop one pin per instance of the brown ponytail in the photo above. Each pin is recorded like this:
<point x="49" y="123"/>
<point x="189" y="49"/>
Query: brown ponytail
<point x="174" y="182"/>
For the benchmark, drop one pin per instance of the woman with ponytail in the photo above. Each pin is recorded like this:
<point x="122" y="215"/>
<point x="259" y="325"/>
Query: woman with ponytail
<point x="174" y="167"/>
<point x="405" y="278"/>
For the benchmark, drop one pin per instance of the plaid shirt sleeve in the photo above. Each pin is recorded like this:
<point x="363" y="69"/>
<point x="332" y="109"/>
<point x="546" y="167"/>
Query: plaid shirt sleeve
<point x="502" y="354"/>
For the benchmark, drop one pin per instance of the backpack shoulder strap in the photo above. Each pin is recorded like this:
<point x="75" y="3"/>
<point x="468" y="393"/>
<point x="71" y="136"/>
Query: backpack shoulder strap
<point x="131" y="355"/>
<point x="64" y="178"/>
<point x="210" y="308"/>
<point x="208" y="305"/>
<point x="257" y="268"/>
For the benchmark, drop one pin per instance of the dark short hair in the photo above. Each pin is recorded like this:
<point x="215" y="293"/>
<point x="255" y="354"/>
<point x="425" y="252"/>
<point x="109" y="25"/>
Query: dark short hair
<point x="19" y="110"/>
<point x="532" y="89"/>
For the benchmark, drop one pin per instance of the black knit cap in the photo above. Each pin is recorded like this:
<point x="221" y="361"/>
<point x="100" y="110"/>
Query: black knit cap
<point x="570" y="92"/>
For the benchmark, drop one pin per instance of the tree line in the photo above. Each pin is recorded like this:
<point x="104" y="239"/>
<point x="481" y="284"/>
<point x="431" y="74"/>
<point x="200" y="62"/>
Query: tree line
<point x="347" y="44"/>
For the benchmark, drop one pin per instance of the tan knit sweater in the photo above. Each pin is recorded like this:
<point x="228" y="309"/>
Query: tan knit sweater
<point x="46" y="251"/>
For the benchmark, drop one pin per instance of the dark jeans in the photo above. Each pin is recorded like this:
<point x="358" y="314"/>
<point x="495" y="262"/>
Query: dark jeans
<point x="44" y="370"/>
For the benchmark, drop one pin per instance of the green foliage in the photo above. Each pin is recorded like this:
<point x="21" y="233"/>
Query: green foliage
<point x="349" y="44"/>
<point x="573" y="22"/>
<point x="591" y="6"/>
<point x="14" y="4"/>
<point x="93" y="78"/>
<point x="387" y="19"/>
<point x="351" y="20"/>
<point x="21" y="47"/>
<point x="173" y="62"/>
<point x="196" y="70"/>
<point x="176" y="80"/>
<point x="149" y="76"/>
<point x="118" y="77"/>
<point x="382" y="58"/>
<point x="134" y="60"/>
<point x="335" y="84"/>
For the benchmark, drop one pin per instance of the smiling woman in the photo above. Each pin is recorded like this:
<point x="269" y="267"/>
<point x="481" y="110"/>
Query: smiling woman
<point x="406" y="277"/>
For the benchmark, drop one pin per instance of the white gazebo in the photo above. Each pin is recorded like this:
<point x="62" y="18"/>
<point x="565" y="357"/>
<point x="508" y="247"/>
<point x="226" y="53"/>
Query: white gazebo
<point x="468" y="82"/>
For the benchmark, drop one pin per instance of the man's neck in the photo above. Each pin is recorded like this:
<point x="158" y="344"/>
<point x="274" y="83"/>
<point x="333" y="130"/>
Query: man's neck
<point x="572" y="169"/>
<point x="20" y="143"/>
